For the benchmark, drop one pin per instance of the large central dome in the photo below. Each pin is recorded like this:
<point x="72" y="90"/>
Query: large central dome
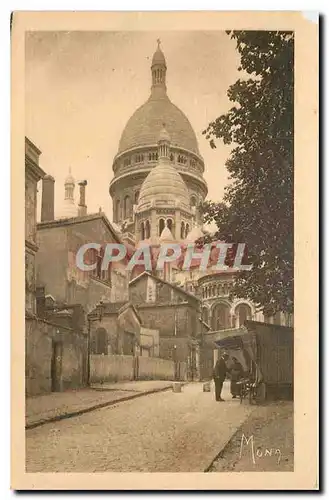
<point x="145" y="124"/>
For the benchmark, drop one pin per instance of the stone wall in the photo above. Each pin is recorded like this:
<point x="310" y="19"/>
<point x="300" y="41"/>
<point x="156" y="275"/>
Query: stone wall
<point x="111" y="368"/>
<point x="38" y="355"/>
<point x="114" y="368"/>
<point x="155" y="369"/>
<point x="40" y="339"/>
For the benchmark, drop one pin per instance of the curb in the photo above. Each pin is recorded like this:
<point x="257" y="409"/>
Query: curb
<point x="63" y="416"/>
<point x="225" y="445"/>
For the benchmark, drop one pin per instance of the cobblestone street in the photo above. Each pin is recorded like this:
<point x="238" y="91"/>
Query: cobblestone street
<point x="163" y="432"/>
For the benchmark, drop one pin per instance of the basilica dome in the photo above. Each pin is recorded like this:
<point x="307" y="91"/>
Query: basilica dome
<point x="144" y="126"/>
<point x="163" y="186"/>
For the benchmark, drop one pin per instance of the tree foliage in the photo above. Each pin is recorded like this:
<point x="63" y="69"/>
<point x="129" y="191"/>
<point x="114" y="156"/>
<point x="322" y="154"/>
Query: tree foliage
<point x="257" y="207"/>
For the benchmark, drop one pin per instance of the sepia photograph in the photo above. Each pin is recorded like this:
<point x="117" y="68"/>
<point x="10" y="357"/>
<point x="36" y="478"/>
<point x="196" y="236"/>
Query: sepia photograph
<point x="160" y="250"/>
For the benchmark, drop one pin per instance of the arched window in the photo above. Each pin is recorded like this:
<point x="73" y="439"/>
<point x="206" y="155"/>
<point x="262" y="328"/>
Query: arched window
<point x="182" y="230"/>
<point x="221" y="317"/>
<point x="242" y="313"/>
<point x="136" y="197"/>
<point x="169" y="224"/>
<point x="142" y="231"/>
<point x="193" y="201"/>
<point x="161" y="226"/>
<point x="171" y="157"/>
<point x="205" y="314"/>
<point x="100" y="345"/>
<point x="117" y="211"/>
<point x="126" y="207"/>
<point x="147" y="230"/>
<point x="187" y="230"/>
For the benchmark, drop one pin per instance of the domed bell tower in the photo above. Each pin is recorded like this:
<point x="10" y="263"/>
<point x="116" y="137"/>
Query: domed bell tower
<point x="159" y="70"/>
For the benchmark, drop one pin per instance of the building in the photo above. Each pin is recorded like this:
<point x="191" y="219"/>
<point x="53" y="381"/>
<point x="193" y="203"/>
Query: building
<point x="33" y="173"/>
<point x="138" y="149"/>
<point x="55" y="344"/>
<point x="59" y="241"/>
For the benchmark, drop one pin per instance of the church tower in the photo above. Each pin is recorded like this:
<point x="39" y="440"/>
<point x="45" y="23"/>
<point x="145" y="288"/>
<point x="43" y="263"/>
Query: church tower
<point x="163" y="207"/>
<point x="138" y="154"/>
<point x="69" y="208"/>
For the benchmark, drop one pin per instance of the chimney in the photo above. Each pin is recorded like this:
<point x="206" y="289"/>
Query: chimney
<point x="82" y="203"/>
<point x="48" y="198"/>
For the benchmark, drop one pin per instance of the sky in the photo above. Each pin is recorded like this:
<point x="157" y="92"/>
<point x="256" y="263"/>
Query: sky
<point x="81" y="87"/>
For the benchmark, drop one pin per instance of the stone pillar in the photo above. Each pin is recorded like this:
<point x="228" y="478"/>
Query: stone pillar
<point x="177" y="225"/>
<point x="154" y="226"/>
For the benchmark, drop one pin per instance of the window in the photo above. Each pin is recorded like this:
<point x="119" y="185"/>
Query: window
<point x="117" y="211"/>
<point x="147" y="230"/>
<point x="193" y="201"/>
<point x="126" y="207"/>
<point x="161" y="226"/>
<point x="205" y="314"/>
<point x="127" y="161"/>
<point x="243" y="313"/>
<point x="142" y="231"/>
<point x="139" y="158"/>
<point x="170" y="224"/>
<point x="171" y="157"/>
<point x="136" y="197"/>
<point x="221" y="317"/>
<point x="187" y="230"/>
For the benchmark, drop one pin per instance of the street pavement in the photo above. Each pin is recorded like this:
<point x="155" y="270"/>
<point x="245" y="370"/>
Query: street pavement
<point x="47" y="407"/>
<point x="161" y="432"/>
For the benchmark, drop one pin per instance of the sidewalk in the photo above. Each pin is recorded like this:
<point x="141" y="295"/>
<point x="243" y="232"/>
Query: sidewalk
<point x="270" y="431"/>
<point x="59" y="405"/>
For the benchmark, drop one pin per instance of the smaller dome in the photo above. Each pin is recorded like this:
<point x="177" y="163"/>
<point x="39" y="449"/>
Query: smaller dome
<point x="166" y="235"/>
<point x="158" y="56"/>
<point x="195" y="234"/>
<point x="163" y="186"/>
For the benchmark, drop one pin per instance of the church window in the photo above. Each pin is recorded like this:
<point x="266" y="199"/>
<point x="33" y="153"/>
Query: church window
<point x="127" y="161"/>
<point x="182" y="230"/>
<point x="139" y="158"/>
<point x="136" y="197"/>
<point x="161" y="226"/>
<point x="170" y="224"/>
<point x="126" y="207"/>
<point x="220" y="317"/>
<point x="243" y="313"/>
<point x="193" y="201"/>
<point x="142" y="231"/>
<point x="147" y="230"/>
<point x="171" y="157"/>
<point x="187" y="230"/>
<point x="117" y="211"/>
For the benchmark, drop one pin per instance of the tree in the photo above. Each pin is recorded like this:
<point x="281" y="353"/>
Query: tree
<point x="257" y="207"/>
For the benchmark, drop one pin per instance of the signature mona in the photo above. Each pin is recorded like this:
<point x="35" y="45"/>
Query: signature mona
<point x="258" y="453"/>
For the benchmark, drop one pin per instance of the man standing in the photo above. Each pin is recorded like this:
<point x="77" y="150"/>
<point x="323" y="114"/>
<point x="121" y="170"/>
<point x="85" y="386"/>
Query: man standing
<point x="220" y="370"/>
